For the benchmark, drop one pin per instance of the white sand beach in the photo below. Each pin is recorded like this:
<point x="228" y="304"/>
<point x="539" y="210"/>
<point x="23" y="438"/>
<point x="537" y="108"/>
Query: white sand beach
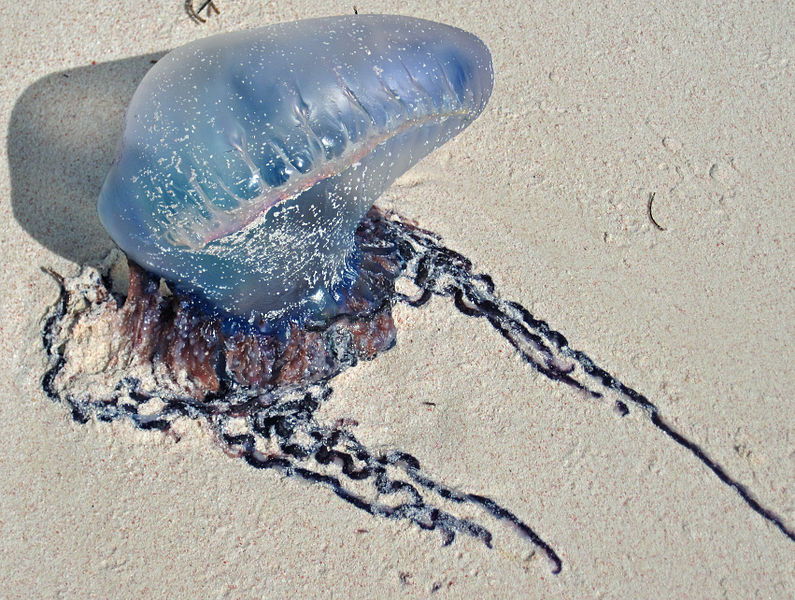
<point x="594" y="109"/>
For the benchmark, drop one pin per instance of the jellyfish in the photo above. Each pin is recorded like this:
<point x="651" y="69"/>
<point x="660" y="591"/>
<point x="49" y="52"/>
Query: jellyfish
<point x="258" y="269"/>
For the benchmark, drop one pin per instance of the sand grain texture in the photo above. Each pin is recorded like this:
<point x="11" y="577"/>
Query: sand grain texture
<point x="593" y="109"/>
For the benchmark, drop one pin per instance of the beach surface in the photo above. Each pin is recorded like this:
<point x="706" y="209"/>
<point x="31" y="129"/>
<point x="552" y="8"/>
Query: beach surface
<point x="687" y="299"/>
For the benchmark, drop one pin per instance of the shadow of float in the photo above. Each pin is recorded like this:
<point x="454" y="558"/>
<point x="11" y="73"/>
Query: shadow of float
<point x="62" y="137"/>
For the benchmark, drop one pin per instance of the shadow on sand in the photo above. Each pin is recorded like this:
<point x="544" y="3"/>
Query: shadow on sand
<point x="62" y="139"/>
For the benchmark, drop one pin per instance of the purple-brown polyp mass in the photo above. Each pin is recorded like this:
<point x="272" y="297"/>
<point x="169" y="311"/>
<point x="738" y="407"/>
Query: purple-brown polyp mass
<point x="248" y="164"/>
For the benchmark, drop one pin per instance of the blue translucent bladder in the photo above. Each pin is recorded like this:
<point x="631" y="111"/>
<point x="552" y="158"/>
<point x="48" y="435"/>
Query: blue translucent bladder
<point x="248" y="159"/>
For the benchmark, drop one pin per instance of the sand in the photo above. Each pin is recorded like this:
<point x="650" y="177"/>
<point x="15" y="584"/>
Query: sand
<point x="594" y="109"/>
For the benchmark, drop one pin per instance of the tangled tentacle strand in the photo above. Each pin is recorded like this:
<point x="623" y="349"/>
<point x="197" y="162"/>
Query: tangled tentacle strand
<point x="275" y="427"/>
<point x="439" y="271"/>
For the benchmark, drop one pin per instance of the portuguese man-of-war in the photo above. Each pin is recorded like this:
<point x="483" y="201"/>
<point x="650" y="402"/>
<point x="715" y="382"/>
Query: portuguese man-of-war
<point x="249" y="159"/>
<point x="258" y="268"/>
